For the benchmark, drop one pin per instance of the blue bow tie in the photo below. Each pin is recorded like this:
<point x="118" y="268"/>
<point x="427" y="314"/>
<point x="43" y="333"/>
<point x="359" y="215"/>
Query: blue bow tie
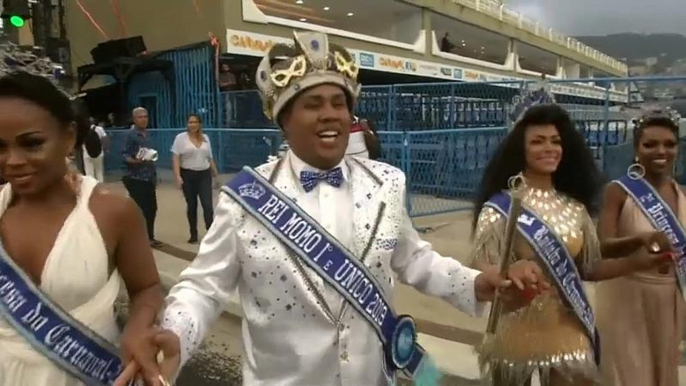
<point x="309" y="180"/>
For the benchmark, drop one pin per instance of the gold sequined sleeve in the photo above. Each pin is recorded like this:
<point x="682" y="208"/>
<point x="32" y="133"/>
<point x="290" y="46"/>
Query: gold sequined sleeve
<point x="590" y="253"/>
<point x="488" y="237"/>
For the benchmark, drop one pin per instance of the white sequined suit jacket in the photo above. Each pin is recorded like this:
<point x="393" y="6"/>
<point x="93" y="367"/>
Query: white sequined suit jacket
<point x="293" y="333"/>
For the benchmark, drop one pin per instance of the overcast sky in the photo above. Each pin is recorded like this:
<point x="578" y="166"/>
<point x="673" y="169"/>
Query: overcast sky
<point x="601" y="17"/>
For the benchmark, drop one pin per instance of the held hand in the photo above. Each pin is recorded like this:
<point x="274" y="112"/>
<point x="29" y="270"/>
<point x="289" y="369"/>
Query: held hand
<point x="654" y="260"/>
<point x="527" y="275"/>
<point x="487" y="283"/>
<point x="655" y="242"/>
<point x="139" y="353"/>
<point x="529" y="282"/>
<point x="170" y="350"/>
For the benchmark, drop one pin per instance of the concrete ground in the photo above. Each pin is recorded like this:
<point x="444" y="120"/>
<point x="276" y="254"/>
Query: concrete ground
<point x="447" y="334"/>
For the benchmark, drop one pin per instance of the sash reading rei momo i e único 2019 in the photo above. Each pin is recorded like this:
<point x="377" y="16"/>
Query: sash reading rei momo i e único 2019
<point x="555" y="255"/>
<point x="661" y="217"/>
<point x="334" y="263"/>
<point x="51" y="331"/>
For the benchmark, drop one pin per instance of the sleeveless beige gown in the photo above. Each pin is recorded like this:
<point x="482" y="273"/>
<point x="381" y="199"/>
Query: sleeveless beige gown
<point x="640" y="317"/>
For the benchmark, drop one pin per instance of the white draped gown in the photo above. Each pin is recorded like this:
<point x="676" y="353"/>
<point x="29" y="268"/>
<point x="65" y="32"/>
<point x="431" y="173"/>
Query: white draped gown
<point x="76" y="277"/>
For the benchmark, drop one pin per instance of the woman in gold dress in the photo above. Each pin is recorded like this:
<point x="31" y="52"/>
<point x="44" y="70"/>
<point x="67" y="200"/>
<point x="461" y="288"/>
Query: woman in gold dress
<point x="641" y="316"/>
<point x="546" y="333"/>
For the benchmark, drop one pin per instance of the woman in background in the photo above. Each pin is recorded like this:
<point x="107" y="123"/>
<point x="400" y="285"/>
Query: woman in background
<point x="641" y="316"/>
<point x="194" y="168"/>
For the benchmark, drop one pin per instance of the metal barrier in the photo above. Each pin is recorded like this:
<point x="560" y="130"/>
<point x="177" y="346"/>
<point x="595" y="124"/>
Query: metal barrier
<point x="231" y="148"/>
<point x="440" y="134"/>
<point x="432" y="106"/>
<point x="193" y="89"/>
<point x="443" y="167"/>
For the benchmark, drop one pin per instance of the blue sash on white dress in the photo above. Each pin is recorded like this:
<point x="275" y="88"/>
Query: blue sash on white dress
<point x="559" y="263"/>
<point x="50" y="330"/>
<point x="661" y="217"/>
<point x="334" y="263"/>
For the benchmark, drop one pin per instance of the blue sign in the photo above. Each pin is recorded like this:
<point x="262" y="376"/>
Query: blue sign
<point x="366" y="60"/>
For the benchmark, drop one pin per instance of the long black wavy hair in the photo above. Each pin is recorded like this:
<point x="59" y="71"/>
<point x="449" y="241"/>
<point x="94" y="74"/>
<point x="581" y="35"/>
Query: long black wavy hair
<point x="577" y="174"/>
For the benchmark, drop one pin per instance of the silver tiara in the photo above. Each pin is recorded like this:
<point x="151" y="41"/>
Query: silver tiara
<point x="667" y="113"/>
<point x="15" y="58"/>
<point x="537" y="94"/>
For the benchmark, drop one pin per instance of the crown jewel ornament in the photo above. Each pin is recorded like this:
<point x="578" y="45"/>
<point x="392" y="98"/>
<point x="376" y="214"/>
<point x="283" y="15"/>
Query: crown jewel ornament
<point x="311" y="61"/>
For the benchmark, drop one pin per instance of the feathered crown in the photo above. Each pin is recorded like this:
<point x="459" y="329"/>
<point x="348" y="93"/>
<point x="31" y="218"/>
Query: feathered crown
<point x="15" y="58"/>
<point x="528" y="97"/>
<point x="312" y="61"/>
<point x="648" y="116"/>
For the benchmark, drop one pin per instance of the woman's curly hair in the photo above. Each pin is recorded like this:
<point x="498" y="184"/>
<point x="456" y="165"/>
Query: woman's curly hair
<point x="577" y="174"/>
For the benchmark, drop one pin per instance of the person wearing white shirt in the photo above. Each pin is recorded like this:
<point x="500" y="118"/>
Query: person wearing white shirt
<point x="194" y="167"/>
<point x="95" y="166"/>
<point x="298" y="329"/>
<point x="363" y="141"/>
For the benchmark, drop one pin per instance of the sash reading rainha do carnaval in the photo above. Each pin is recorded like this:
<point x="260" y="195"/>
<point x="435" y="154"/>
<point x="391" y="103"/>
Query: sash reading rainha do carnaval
<point x="337" y="266"/>
<point x="50" y="330"/>
<point x="554" y="254"/>
<point x="661" y="217"/>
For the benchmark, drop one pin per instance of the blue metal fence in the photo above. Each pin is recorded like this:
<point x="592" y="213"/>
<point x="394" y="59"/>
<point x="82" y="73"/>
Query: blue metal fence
<point x="232" y="149"/>
<point x="192" y="90"/>
<point x="440" y="134"/>
<point x="443" y="167"/>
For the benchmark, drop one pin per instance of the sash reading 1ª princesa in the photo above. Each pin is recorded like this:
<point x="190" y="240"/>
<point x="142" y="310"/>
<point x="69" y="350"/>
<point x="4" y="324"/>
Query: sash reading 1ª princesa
<point x="662" y="218"/>
<point x="50" y="330"/>
<point x="559" y="263"/>
<point x="333" y="262"/>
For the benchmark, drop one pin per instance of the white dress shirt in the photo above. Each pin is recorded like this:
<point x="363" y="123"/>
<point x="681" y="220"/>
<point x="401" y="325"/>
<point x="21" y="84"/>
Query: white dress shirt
<point x="297" y="330"/>
<point x="192" y="157"/>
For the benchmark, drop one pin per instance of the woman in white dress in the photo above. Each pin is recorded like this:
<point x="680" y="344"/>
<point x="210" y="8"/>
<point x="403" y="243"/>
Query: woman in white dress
<point x="71" y="237"/>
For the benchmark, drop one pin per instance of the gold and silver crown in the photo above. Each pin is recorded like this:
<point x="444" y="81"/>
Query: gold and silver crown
<point x="312" y="61"/>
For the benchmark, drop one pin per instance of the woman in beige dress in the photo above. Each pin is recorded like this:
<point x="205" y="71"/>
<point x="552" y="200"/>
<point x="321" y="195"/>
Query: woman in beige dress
<point x="641" y="316"/>
<point x="545" y="336"/>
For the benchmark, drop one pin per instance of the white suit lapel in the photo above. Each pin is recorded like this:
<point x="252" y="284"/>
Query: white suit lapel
<point x="283" y="178"/>
<point x="367" y="213"/>
<point x="368" y="206"/>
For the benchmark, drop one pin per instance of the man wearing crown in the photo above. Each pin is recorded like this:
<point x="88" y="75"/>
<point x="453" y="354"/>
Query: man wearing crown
<point x="315" y="242"/>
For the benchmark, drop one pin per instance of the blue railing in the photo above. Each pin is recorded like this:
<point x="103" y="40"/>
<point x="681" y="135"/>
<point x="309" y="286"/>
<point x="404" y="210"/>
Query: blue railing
<point x="423" y="107"/>
<point x="440" y="134"/>
<point x="443" y="167"/>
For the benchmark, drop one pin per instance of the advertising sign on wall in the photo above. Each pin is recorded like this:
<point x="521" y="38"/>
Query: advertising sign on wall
<point x="255" y="44"/>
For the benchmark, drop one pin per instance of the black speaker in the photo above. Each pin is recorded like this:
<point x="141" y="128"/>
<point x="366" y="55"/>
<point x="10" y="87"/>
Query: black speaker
<point x="121" y="48"/>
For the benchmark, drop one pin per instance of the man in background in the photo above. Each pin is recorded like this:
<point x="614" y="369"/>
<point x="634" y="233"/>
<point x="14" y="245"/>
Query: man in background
<point x="95" y="146"/>
<point x="140" y="178"/>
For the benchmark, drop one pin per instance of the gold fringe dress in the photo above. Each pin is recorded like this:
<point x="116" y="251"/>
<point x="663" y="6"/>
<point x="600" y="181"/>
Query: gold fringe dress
<point x="546" y="336"/>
